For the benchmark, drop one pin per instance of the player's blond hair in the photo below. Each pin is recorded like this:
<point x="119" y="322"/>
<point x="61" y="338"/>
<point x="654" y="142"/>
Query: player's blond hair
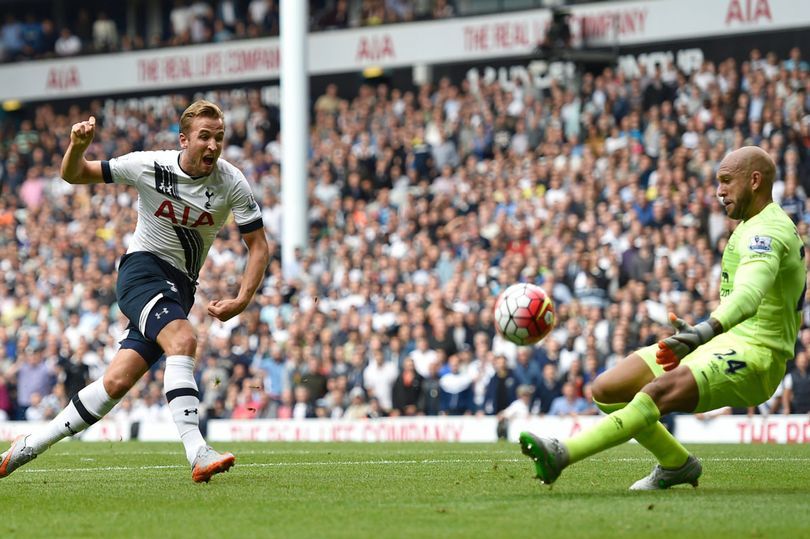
<point x="199" y="108"/>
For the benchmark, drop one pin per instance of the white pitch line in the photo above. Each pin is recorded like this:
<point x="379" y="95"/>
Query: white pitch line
<point x="714" y="459"/>
<point x="389" y="463"/>
<point x="274" y="464"/>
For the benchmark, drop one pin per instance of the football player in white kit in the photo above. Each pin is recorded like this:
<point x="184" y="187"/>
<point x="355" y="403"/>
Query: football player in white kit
<point x="184" y="198"/>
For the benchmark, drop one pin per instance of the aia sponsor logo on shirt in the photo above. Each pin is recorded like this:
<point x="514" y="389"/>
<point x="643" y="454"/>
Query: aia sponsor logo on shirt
<point x="182" y="215"/>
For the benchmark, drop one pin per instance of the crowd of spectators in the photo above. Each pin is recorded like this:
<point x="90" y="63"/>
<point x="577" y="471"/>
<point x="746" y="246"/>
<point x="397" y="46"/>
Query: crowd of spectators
<point x="423" y="206"/>
<point x="28" y="33"/>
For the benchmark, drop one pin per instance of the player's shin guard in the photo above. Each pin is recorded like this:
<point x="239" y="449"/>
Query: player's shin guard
<point x="656" y="439"/>
<point x="616" y="428"/>
<point x="88" y="406"/>
<point x="184" y="402"/>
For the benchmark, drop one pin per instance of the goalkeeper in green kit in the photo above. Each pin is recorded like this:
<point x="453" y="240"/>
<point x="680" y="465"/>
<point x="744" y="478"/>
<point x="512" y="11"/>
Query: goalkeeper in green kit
<point x="735" y="358"/>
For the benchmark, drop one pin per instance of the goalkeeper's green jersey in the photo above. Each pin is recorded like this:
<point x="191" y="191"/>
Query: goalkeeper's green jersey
<point x="763" y="282"/>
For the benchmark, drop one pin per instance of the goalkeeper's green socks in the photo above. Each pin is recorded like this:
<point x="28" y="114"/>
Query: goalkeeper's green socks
<point x="618" y="427"/>
<point x="656" y="439"/>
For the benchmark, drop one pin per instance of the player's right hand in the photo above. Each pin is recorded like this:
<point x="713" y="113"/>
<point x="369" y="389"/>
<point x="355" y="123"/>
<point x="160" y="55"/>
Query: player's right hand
<point x="673" y="349"/>
<point x="81" y="134"/>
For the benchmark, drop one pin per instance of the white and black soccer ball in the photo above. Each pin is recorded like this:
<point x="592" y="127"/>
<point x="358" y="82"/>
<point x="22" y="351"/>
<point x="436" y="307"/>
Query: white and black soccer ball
<point x="524" y="314"/>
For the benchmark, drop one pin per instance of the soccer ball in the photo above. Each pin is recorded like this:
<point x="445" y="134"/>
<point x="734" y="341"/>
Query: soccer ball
<point x="524" y="314"/>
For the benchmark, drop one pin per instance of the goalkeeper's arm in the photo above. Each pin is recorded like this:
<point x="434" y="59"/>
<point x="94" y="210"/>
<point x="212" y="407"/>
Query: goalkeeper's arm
<point x="753" y="278"/>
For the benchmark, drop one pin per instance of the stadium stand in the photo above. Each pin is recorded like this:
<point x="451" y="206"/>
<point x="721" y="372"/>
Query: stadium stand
<point x="423" y="205"/>
<point x="90" y="29"/>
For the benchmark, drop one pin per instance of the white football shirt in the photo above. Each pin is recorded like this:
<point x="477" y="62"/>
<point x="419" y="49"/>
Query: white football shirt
<point x="178" y="215"/>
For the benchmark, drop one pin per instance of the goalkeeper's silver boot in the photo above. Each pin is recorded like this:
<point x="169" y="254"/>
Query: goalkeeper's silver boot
<point x="18" y="454"/>
<point x="548" y="454"/>
<point x="663" y="478"/>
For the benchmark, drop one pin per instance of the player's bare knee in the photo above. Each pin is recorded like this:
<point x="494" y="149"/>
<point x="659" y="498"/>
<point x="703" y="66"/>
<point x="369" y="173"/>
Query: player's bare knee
<point x="117" y="385"/>
<point x="183" y="343"/>
<point x="601" y="390"/>
<point x="608" y="389"/>
<point x="674" y="391"/>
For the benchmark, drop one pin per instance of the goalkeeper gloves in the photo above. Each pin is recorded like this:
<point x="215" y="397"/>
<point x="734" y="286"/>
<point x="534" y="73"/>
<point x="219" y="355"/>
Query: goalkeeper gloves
<point x="673" y="349"/>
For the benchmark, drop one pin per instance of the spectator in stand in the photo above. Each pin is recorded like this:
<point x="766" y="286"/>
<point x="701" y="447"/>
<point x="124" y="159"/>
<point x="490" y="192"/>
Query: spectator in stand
<point x="372" y="13"/>
<point x="526" y="370"/>
<point x="568" y="404"/>
<point x="379" y="378"/>
<point x="262" y="15"/>
<point x="329" y="103"/>
<point x="251" y="401"/>
<point x="314" y="379"/>
<point x="68" y="43"/>
<point x="33" y="376"/>
<point x="547" y="390"/>
<point x="337" y="17"/>
<point x="518" y="409"/>
<point x="590" y="406"/>
<point x="221" y="32"/>
<point x="429" y="399"/>
<point x="406" y="390"/>
<point x="271" y="363"/>
<point x="6" y="406"/>
<point x="75" y="374"/>
<point x="105" y="33"/>
<point x="502" y="389"/>
<point x="796" y="395"/>
<point x="302" y="407"/>
<point x="443" y="9"/>
<point x="358" y="408"/>
<point x="455" y="389"/>
<point x="11" y="37"/>
<point x="481" y="371"/>
<point x="423" y="357"/>
<point x="213" y="381"/>
<point x="13" y="177"/>
<point x="83" y="27"/>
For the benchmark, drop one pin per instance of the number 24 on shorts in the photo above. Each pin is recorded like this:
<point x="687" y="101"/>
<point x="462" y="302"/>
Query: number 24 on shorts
<point x="734" y="365"/>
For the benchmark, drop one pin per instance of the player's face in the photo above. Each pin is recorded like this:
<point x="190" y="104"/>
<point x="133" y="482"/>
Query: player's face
<point x="202" y="146"/>
<point x="734" y="190"/>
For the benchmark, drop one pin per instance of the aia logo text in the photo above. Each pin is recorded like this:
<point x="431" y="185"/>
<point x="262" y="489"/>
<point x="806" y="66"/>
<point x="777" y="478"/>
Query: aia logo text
<point x="167" y="210"/>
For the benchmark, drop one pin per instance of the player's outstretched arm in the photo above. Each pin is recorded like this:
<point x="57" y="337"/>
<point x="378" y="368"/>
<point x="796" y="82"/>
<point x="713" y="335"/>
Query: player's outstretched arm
<point x="258" y="258"/>
<point x="673" y="349"/>
<point x="75" y="168"/>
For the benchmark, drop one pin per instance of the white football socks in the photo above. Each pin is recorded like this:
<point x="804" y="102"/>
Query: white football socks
<point x="88" y="406"/>
<point x="184" y="401"/>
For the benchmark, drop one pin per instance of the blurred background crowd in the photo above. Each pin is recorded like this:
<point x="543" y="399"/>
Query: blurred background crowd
<point x="99" y="26"/>
<point x="423" y="205"/>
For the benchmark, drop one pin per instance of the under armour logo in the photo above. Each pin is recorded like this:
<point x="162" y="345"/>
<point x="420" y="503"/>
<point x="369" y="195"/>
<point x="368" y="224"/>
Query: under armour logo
<point x="161" y="313"/>
<point x="189" y="412"/>
<point x="174" y="286"/>
<point x="70" y="430"/>
<point x="208" y="195"/>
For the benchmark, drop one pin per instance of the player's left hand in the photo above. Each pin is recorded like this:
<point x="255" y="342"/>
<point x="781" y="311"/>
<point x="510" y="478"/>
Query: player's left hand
<point x="225" y="309"/>
<point x="673" y="349"/>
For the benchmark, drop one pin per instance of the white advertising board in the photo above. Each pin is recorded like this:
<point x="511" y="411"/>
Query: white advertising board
<point x="731" y="429"/>
<point x="432" y="42"/>
<point x="420" y="429"/>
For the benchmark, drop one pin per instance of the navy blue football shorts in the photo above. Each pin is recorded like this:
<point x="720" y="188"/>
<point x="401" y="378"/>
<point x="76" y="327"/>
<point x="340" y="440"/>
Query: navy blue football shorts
<point x="151" y="293"/>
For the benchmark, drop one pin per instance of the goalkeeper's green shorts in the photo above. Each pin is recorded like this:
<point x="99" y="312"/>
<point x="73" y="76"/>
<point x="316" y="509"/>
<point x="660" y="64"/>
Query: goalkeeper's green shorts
<point x="729" y="371"/>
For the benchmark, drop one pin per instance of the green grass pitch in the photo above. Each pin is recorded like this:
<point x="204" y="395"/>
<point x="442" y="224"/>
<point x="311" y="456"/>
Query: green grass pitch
<point x="414" y="490"/>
